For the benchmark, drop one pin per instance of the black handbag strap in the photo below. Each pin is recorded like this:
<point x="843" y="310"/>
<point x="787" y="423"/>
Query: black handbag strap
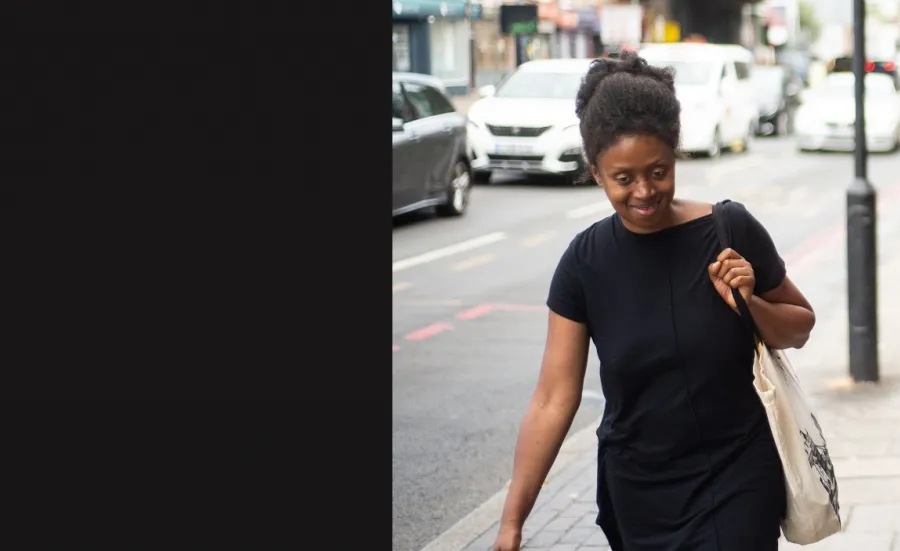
<point x="723" y="230"/>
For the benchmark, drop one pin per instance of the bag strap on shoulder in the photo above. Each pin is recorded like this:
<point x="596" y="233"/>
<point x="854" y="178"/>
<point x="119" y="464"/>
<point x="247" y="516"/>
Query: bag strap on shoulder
<point x="723" y="230"/>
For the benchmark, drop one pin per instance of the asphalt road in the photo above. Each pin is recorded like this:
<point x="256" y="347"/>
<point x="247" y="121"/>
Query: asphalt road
<point x="469" y="315"/>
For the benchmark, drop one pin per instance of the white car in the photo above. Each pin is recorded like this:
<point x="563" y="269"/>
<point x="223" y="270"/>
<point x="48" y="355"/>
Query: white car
<point x="528" y="124"/>
<point x="825" y="120"/>
<point x="713" y="83"/>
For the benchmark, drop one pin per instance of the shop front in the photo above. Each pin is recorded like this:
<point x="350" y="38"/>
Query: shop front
<point x="432" y="37"/>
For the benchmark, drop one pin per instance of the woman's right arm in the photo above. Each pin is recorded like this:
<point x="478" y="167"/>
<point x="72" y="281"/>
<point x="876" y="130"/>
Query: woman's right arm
<point x="548" y="418"/>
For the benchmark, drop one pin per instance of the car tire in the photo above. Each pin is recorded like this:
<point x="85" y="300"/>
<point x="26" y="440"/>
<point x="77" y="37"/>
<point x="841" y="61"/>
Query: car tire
<point x="781" y="124"/>
<point x="715" y="147"/>
<point x="481" y="177"/>
<point x="458" y="191"/>
<point x="748" y="139"/>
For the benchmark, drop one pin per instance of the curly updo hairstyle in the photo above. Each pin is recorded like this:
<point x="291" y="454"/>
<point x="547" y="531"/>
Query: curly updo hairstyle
<point x="626" y="96"/>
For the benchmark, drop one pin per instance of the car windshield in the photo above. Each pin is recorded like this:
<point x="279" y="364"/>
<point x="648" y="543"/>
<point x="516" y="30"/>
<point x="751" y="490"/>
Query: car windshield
<point x="534" y="85"/>
<point x="688" y="73"/>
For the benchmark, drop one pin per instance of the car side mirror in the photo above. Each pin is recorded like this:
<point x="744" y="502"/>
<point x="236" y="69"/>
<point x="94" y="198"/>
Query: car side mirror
<point x="487" y="91"/>
<point x="397" y="124"/>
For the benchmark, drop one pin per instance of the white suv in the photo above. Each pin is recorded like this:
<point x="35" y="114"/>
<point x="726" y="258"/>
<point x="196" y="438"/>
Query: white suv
<point x="528" y="123"/>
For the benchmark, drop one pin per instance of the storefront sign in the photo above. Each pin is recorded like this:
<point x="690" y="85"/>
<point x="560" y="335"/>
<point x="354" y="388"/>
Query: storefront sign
<point x="621" y="24"/>
<point x="456" y="9"/>
<point x="567" y="20"/>
<point x="588" y="21"/>
<point x="518" y="19"/>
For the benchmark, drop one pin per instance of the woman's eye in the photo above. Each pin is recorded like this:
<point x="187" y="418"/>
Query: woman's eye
<point x="624" y="180"/>
<point x="659" y="174"/>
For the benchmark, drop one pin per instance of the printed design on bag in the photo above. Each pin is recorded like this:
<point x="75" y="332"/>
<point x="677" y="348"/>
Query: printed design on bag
<point x="820" y="460"/>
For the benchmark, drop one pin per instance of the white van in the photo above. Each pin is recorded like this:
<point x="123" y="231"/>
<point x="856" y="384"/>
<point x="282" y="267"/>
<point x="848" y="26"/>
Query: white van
<point x="718" y="101"/>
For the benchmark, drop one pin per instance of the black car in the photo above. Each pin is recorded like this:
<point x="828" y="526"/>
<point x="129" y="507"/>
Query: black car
<point x="845" y="65"/>
<point x="777" y="90"/>
<point x="431" y="160"/>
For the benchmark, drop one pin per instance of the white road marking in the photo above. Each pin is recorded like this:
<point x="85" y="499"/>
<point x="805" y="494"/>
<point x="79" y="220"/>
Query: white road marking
<point x="536" y="240"/>
<point x="600" y="207"/>
<point x="473" y="262"/>
<point x="402" y="286"/>
<point x="450" y="250"/>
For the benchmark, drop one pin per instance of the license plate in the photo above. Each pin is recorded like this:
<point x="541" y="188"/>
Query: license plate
<point x="513" y="149"/>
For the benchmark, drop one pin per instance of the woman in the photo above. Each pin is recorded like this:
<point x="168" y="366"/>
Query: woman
<point x="686" y="458"/>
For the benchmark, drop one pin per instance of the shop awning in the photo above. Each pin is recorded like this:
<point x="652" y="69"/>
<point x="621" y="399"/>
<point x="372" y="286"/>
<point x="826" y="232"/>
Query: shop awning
<point x="437" y="8"/>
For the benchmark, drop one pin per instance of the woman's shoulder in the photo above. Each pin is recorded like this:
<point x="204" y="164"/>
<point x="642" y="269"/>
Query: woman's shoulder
<point x="589" y="243"/>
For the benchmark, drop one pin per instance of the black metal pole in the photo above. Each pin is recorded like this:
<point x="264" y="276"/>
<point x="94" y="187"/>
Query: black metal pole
<point x="861" y="247"/>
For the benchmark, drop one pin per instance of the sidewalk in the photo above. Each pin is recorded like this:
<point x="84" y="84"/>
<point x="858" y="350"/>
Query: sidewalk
<point x="861" y="423"/>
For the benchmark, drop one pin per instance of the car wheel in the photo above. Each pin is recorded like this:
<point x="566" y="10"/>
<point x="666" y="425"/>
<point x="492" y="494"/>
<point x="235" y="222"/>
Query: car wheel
<point x="748" y="139"/>
<point x="781" y="124"/>
<point x="458" y="192"/>
<point x="482" y="176"/>
<point x="715" y="147"/>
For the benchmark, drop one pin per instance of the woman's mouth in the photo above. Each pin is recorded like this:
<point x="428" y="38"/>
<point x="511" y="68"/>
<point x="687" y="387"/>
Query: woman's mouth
<point x="646" y="209"/>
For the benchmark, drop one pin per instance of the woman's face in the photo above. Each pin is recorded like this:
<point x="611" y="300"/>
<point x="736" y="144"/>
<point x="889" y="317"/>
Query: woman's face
<point x="638" y="175"/>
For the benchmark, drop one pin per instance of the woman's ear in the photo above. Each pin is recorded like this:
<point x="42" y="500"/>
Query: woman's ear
<point x="596" y="175"/>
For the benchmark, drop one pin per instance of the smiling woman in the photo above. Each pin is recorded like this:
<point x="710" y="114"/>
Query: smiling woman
<point x="686" y="458"/>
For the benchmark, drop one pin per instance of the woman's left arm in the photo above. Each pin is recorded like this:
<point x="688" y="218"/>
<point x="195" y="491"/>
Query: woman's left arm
<point x="783" y="316"/>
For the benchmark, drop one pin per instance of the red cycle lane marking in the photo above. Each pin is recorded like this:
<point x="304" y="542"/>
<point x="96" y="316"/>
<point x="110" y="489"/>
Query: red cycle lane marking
<point x="476" y="312"/>
<point x="396" y="348"/>
<point x="428" y="332"/>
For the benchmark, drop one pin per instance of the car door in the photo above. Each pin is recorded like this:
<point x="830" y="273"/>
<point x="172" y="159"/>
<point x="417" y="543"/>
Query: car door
<point x="452" y="139"/>
<point x="409" y="170"/>
<point x="728" y="94"/>
<point x="433" y="139"/>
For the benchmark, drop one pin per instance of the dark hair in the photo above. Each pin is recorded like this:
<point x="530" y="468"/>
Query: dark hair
<point x="625" y="96"/>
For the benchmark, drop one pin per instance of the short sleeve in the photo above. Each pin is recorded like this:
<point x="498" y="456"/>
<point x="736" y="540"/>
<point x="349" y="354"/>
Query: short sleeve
<point x="566" y="296"/>
<point x="759" y="249"/>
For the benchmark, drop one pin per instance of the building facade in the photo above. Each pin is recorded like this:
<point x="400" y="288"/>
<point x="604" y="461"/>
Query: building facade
<point x="433" y="37"/>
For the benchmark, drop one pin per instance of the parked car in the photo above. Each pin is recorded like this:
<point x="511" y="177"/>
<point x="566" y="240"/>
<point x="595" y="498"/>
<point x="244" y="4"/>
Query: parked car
<point x="883" y="66"/>
<point x="778" y="95"/>
<point x="713" y="84"/>
<point x="528" y="124"/>
<point x="431" y="162"/>
<point x="826" y="118"/>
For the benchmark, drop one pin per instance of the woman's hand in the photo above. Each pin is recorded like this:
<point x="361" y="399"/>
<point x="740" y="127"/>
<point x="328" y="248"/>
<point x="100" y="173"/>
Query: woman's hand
<point x="732" y="271"/>
<point x="508" y="539"/>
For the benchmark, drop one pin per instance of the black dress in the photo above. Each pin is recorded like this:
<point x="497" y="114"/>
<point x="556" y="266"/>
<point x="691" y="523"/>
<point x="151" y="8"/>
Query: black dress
<point x="686" y="458"/>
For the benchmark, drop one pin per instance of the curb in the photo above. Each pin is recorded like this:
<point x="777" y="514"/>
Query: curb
<point x="476" y="523"/>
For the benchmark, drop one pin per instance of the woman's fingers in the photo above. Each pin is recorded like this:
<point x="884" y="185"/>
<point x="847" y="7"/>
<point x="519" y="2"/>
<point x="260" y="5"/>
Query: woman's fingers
<point x="734" y="273"/>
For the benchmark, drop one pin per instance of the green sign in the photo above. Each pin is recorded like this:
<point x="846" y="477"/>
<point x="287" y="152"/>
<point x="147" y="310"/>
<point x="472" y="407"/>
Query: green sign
<point x="523" y="27"/>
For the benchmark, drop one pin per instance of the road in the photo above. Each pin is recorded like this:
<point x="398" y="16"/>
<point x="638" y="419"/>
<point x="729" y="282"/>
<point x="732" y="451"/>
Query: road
<point x="469" y="315"/>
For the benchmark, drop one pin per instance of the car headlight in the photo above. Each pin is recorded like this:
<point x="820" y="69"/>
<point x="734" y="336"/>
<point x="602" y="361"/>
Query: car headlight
<point x="572" y="151"/>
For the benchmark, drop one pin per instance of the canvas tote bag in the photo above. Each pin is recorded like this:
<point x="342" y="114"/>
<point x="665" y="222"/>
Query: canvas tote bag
<point x="813" y="512"/>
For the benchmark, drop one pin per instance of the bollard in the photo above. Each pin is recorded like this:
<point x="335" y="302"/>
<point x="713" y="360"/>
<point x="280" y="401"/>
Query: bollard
<point x="862" y="262"/>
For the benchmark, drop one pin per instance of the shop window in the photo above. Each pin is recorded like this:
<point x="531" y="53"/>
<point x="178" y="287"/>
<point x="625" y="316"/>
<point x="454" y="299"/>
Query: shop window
<point x="402" y="62"/>
<point x="450" y="51"/>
